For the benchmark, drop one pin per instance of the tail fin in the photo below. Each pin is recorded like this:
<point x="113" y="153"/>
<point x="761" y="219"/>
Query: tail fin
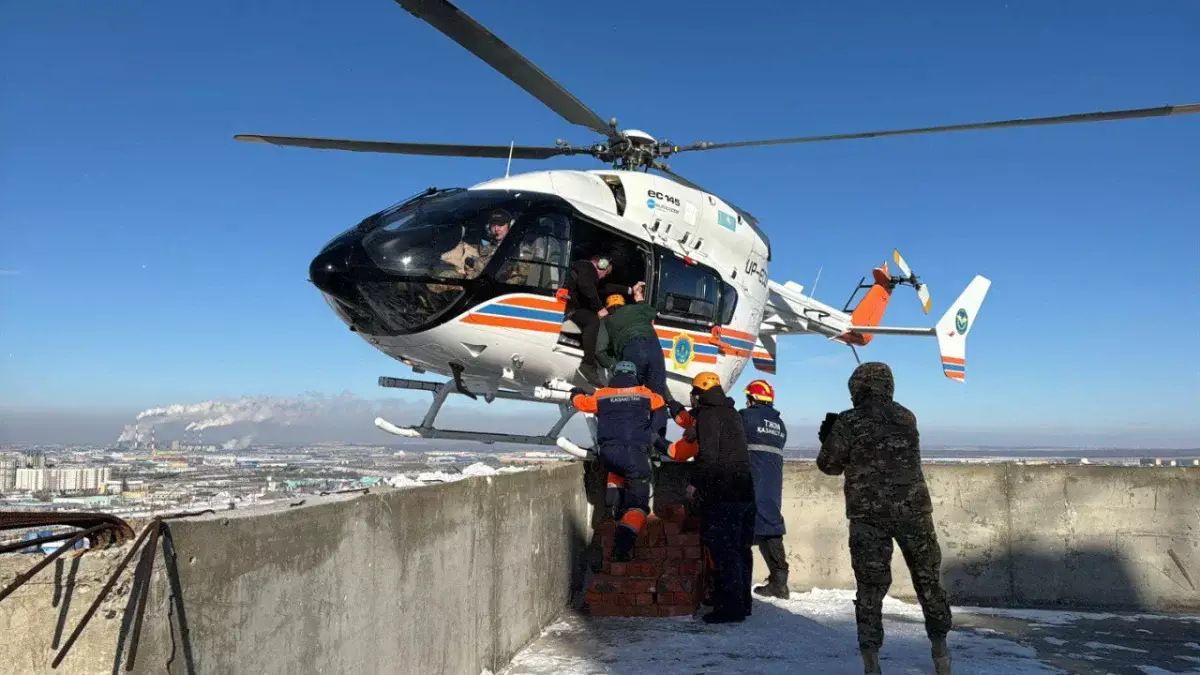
<point x="954" y="325"/>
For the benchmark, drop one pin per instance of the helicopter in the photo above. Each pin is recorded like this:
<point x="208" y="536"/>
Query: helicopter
<point x="464" y="282"/>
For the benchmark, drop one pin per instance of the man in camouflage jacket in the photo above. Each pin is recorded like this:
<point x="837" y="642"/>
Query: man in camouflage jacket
<point x="877" y="446"/>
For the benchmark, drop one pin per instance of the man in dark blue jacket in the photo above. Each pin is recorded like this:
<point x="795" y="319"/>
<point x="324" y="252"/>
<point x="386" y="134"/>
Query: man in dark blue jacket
<point x="624" y="435"/>
<point x="766" y="435"/>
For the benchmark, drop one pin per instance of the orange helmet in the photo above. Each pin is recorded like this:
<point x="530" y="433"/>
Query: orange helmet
<point x="705" y="381"/>
<point x="761" y="390"/>
<point x="614" y="300"/>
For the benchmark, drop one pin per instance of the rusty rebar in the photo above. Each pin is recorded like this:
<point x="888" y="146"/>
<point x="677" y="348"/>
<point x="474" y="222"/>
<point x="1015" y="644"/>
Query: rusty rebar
<point x="47" y="560"/>
<point x="112" y="580"/>
<point x="12" y="520"/>
<point x="141" y="589"/>
<point x="154" y="529"/>
<point x="9" y="548"/>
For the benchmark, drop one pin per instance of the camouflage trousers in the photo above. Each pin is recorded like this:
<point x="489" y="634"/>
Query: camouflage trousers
<point x="871" y="557"/>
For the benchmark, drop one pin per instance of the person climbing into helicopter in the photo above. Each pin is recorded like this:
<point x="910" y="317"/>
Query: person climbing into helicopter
<point x="632" y="337"/>
<point x="766" y="435"/>
<point x="624" y="433"/>
<point x="585" y="308"/>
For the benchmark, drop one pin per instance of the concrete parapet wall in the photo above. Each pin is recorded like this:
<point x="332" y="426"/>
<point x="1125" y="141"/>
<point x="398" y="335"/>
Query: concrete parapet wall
<point x="451" y="578"/>
<point x="1024" y="535"/>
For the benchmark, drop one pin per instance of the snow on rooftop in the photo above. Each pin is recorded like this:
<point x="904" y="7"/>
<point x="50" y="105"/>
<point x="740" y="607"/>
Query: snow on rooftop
<point x="814" y="632"/>
<point x="401" y="480"/>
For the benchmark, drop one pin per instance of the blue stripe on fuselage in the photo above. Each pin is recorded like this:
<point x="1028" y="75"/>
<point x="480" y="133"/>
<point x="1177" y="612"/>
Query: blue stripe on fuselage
<point x="521" y="312"/>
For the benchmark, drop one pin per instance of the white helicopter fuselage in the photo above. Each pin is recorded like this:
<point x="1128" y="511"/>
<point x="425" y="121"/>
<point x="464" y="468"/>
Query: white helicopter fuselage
<point x="511" y="341"/>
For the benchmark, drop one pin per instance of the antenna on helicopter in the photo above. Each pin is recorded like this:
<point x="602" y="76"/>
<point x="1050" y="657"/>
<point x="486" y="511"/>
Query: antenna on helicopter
<point x="508" y="166"/>
<point x="813" y="293"/>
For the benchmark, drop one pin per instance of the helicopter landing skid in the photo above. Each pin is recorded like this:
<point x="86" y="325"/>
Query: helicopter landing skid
<point x="441" y="391"/>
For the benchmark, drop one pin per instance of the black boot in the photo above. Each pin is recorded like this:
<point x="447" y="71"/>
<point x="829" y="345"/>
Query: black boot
<point x="591" y="373"/>
<point x="776" y="586"/>
<point x="718" y="616"/>
<point x="941" y="656"/>
<point x="623" y="542"/>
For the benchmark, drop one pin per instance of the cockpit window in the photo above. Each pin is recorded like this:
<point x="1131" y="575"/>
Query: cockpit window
<point x="451" y="237"/>
<point x="687" y="292"/>
<point x="541" y="258"/>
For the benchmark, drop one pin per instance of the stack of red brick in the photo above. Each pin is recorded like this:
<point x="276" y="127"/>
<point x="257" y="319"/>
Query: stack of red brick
<point x="665" y="577"/>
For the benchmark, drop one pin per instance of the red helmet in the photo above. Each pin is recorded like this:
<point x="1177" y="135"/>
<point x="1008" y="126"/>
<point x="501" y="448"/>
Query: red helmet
<point x="761" y="390"/>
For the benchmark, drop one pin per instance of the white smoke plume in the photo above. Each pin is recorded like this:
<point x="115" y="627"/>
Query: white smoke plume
<point x="340" y="417"/>
<point x="238" y="443"/>
<point x="223" y="413"/>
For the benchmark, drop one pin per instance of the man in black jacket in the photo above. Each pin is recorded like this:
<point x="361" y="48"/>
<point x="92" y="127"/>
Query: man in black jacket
<point x="585" y="307"/>
<point x="722" y="484"/>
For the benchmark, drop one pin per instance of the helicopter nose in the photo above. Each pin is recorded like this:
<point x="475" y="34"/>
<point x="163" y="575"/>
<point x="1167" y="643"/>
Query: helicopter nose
<point x="329" y="271"/>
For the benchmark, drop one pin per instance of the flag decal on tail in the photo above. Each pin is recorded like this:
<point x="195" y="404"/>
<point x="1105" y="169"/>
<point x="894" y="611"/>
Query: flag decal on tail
<point x="960" y="321"/>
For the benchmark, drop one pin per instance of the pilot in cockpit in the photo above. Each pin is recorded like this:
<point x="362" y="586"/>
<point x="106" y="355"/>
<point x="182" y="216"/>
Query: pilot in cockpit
<point x="466" y="260"/>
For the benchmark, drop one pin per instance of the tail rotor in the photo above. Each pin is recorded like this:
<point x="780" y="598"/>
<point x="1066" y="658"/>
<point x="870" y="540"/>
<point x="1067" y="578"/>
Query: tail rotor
<point x="912" y="280"/>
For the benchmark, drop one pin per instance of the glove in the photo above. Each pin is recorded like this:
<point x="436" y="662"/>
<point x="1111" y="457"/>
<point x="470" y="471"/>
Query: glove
<point x="662" y="445"/>
<point x="674" y="407"/>
<point x="576" y="391"/>
<point x="827" y="426"/>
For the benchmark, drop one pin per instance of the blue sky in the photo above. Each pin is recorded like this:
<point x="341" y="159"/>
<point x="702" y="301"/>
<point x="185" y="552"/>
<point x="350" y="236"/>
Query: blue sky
<point x="149" y="259"/>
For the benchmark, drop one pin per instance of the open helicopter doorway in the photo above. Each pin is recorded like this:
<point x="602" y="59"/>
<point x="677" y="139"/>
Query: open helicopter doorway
<point x="632" y="262"/>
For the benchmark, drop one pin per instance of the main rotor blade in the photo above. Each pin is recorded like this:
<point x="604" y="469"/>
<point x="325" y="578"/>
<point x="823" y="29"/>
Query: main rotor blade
<point x="464" y="30"/>
<point x="1161" y="111"/>
<point x="439" y="149"/>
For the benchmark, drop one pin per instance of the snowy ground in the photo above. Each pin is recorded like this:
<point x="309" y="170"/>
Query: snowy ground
<point x="401" y="480"/>
<point x="814" y="633"/>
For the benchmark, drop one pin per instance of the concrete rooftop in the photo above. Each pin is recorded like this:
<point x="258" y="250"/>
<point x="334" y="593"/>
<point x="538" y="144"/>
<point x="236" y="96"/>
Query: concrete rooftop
<point x="814" y="633"/>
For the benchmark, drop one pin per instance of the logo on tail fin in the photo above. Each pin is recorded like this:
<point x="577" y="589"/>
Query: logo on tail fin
<point x="960" y="321"/>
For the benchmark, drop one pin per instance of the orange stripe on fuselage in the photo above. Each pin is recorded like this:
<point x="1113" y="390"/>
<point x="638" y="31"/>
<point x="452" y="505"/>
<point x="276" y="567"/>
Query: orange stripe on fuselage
<point x="699" y="338"/>
<point x="511" y="322"/>
<point x="737" y="334"/>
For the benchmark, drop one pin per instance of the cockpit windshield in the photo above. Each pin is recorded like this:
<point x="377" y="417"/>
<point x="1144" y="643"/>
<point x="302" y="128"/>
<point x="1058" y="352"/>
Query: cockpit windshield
<point x="451" y="237"/>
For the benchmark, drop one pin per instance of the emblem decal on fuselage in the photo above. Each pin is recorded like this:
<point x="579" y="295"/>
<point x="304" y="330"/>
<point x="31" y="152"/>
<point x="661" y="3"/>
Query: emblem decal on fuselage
<point x="683" y="350"/>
